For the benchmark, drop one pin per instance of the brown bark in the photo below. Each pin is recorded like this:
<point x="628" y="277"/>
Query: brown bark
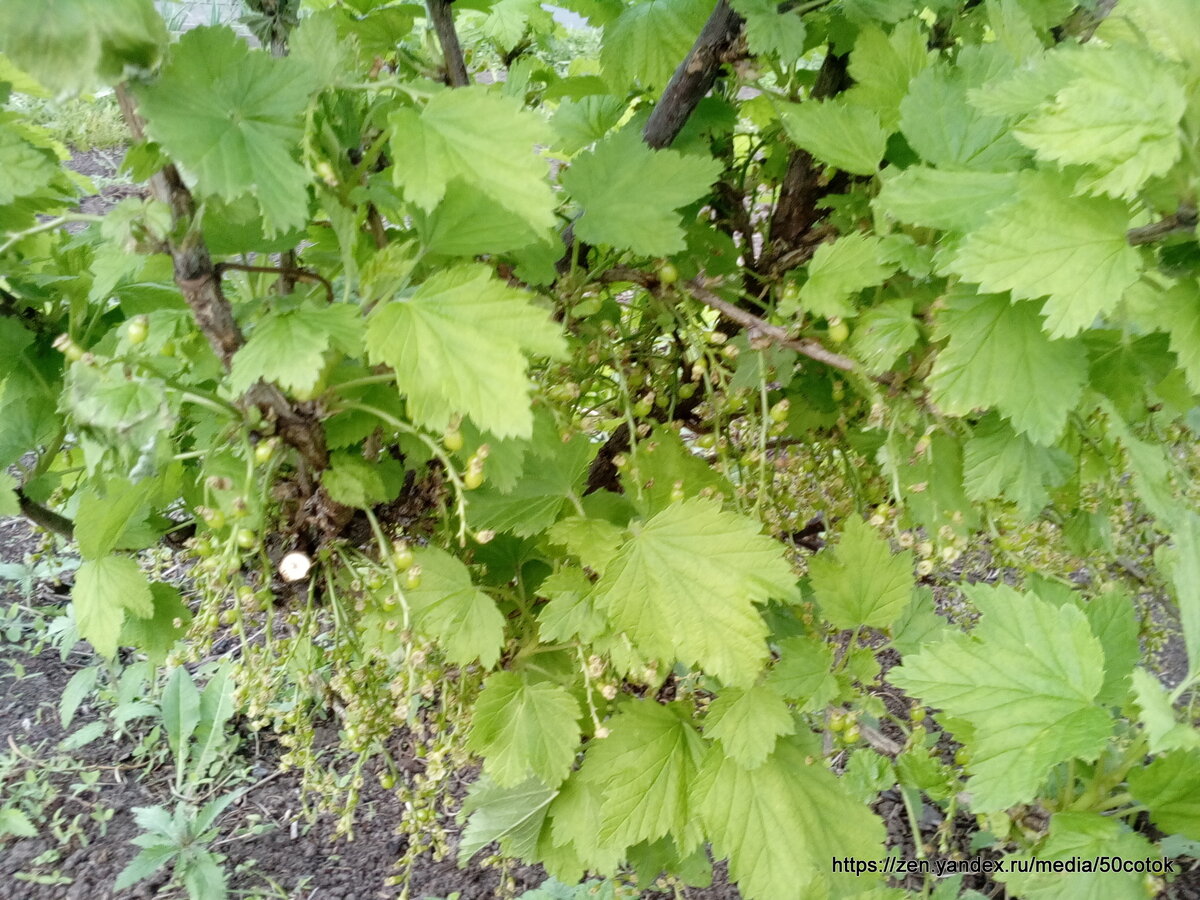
<point x="443" y="24"/>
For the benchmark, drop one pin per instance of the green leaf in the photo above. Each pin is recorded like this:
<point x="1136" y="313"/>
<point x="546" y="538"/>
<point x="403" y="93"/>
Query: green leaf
<point x="289" y="347"/>
<point x="998" y="355"/>
<point x="1185" y="576"/>
<point x="630" y="194"/>
<point x="458" y="346"/>
<point x="846" y="137"/>
<point x="571" y="611"/>
<point x="232" y="116"/>
<point x="9" y="504"/>
<point x="948" y="132"/>
<point x="919" y="624"/>
<point x="524" y="728"/>
<point x="1118" y="118"/>
<point x="594" y="541"/>
<point x="686" y="583"/>
<point x="1047" y="243"/>
<point x="1164" y="731"/>
<point x="747" y="723"/>
<point x="861" y="582"/>
<point x="485" y="139"/>
<point x="513" y="816"/>
<point x="180" y="710"/>
<point x="1026" y="680"/>
<point x="16" y="823"/>
<point x="1111" y="615"/>
<point x="1177" y="312"/>
<point x="1151" y="469"/>
<point x="1170" y="788"/>
<point x="883" y="333"/>
<point x="106" y="511"/>
<point x="24" y="169"/>
<point x="645" y="771"/>
<point x="466" y="224"/>
<point x="882" y="66"/>
<point x="68" y="44"/>
<point x="647" y="41"/>
<point x="781" y="822"/>
<point x="770" y="32"/>
<point x="1083" y="836"/>
<point x="945" y="199"/>
<point x="104" y="590"/>
<point x="841" y="269"/>
<point x="540" y="495"/>
<point x="803" y="673"/>
<point x="999" y="463"/>
<point x="449" y="608"/>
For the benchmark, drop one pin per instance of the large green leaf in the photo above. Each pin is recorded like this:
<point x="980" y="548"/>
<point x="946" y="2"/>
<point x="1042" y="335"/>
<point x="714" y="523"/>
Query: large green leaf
<point x="747" y="723"/>
<point x="458" y="345"/>
<point x="540" y="495"/>
<point x="648" y="40"/>
<point x="839" y="270"/>
<point x="685" y="585"/>
<point x="1170" y="788"/>
<point x="513" y="816"/>
<point x="485" y="139"/>
<point x="1076" y="836"/>
<point x="24" y="168"/>
<point x="105" y="589"/>
<point x="998" y="463"/>
<point x="523" y="727"/>
<point x="105" y="512"/>
<point x="1026" y="680"/>
<point x="448" y="607"/>
<point x="630" y="194"/>
<point x="946" y="199"/>
<point x="882" y="66"/>
<point x="781" y="823"/>
<point x="770" y="31"/>
<point x="998" y="355"/>
<point x="846" y="137"/>
<point x="288" y="347"/>
<point x="1118" y="118"/>
<point x="68" y="44"/>
<point x="232" y="117"/>
<point x="1048" y="243"/>
<point x="645" y="771"/>
<point x="862" y="582"/>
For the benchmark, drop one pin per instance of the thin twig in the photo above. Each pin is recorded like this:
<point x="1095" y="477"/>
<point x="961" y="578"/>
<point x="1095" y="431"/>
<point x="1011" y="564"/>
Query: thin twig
<point x="293" y="273"/>
<point x="1182" y="221"/>
<point x="773" y="333"/>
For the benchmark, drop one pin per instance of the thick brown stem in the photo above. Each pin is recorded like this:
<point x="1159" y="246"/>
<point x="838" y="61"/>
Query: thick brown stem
<point x="694" y="78"/>
<point x="443" y="25"/>
<point x="797" y="211"/>
<point x="1182" y="221"/>
<point x="46" y="518"/>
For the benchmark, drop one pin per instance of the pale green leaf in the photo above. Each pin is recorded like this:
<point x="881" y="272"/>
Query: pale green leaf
<point x="104" y="590"/>
<point x="483" y="138"/>
<point x="860" y="582"/>
<point x="467" y="224"/>
<point x="941" y="198"/>
<point x="232" y="117"/>
<point x="1026" y="680"/>
<point x="156" y="635"/>
<point x="524" y="728"/>
<point x="647" y="41"/>
<point x="804" y="672"/>
<point x="1048" y="243"/>
<point x="540" y="495"/>
<point x="846" y="137"/>
<point x="1185" y="576"/>
<point x="1169" y="26"/>
<point x="571" y="611"/>
<point x="1177" y="311"/>
<point x="884" y="332"/>
<point x="645" y="770"/>
<point x="105" y="512"/>
<point x="999" y="463"/>
<point x="1164" y="731"/>
<point x="9" y="505"/>
<point x="686" y="584"/>
<point x="458" y="346"/>
<point x="841" y="269"/>
<point x="747" y="723"/>
<point x="631" y="194"/>
<point x="180" y="710"/>
<point x="68" y="44"/>
<point x="998" y="355"/>
<point x="882" y="66"/>
<point x="594" y="541"/>
<point x="1118" y="118"/>
<point x="575" y="822"/>
<point x="919" y="624"/>
<point x="289" y="347"/>
<point x="14" y="822"/>
<point x="781" y="822"/>
<point x="1170" y="788"/>
<point x="947" y="132"/>
<point x="770" y="32"/>
<point x="448" y="607"/>
<point x="585" y="120"/>
<point x="24" y="169"/>
<point x="1112" y="617"/>
<point x="1083" y="836"/>
<point x="1151" y="468"/>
